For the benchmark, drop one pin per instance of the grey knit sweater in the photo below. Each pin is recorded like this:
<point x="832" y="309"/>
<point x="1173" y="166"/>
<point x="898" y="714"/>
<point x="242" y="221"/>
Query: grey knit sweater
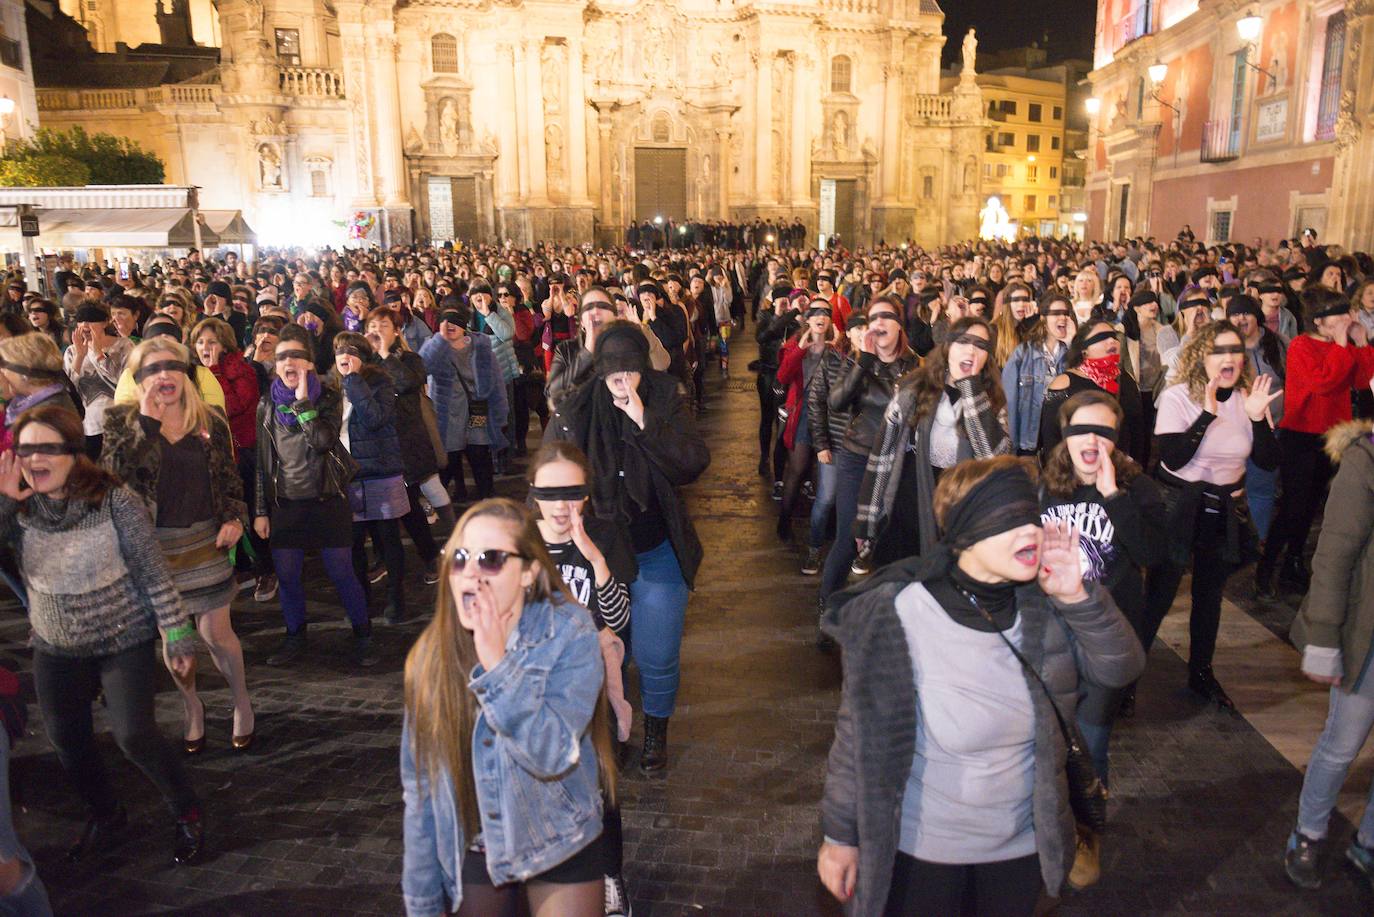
<point x="96" y="578"/>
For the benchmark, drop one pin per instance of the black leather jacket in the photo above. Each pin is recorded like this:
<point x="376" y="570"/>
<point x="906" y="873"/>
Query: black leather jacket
<point x="864" y="389"/>
<point x="772" y="330"/>
<point x="293" y="462"/>
<point x="827" y="426"/>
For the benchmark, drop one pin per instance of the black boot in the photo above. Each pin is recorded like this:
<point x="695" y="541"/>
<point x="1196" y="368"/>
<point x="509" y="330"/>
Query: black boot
<point x="1127" y="708"/>
<point x="824" y="641"/>
<point x="1294" y="573"/>
<point x="98" y="835"/>
<point x="292" y="648"/>
<point x="654" y="758"/>
<point x="189" y="841"/>
<point x="1201" y="681"/>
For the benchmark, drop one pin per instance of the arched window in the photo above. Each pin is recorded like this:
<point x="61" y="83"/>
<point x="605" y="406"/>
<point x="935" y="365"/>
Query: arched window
<point x="841" y="71"/>
<point x="443" y="49"/>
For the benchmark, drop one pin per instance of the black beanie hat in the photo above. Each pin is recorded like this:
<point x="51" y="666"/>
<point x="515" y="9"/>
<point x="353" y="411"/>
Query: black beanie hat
<point x="92" y="313"/>
<point x="220" y="288"/>
<point x="1243" y="303"/>
<point x="620" y="347"/>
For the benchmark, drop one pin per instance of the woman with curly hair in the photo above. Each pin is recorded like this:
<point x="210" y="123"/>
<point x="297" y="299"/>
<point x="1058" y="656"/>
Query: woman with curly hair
<point x="1118" y="511"/>
<point x="1211" y="419"/>
<point x="948" y="410"/>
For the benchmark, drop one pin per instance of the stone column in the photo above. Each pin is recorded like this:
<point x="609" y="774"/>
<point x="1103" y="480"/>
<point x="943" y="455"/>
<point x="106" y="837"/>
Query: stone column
<point x="534" y="116"/>
<point x="723" y="164"/>
<point x="577" y="123"/>
<point x="390" y="158"/>
<point x="892" y="123"/>
<point x="603" y="136"/>
<point x="508" y="157"/>
<point x="763" y="125"/>
<point x="520" y="107"/>
<point x="800" y="172"/>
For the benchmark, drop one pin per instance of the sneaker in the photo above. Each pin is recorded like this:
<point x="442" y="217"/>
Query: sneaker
<point x="812" y="564"/>
<point x="376" y="573"/>
<point x="777" y="491"/>
<point x="364" y="654"/>
<point x="1361" y="857"/>
<point x="394" y="615"/>
<point x="291" y="649"/>
<point x="808" y="490"/>
<point x="1087" y="868"/>
<point x="617" y="898"/>
<point x="266" y="588"/>
<point x="1302" y="861"/>
<point x="245" y="583"/>
<point x="432" y="573"/>
<point x="863" y="564"/>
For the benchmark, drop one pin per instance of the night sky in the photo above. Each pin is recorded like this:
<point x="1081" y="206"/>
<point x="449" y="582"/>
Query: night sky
<point x="1009" y="24"/>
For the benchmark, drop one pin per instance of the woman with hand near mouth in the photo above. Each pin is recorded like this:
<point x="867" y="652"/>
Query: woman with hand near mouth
<point x="959" y="667"/>
<point x="1212" y="418"/>
<point x="506" y="679"/>
<point x="800" y="357"/>
<point x="948" y="411"/>
<point x="638" y="435"/>
<point x="1033" y="364"/>
<point x="300" y="501"/>
<point x="863" y="391"/>
<point x="178" y="456"/>
<point x="99" y="595"/>
<point x="1118" y="512"/>
<point x="1093" y="363"/>
<point x="572" y="359"/>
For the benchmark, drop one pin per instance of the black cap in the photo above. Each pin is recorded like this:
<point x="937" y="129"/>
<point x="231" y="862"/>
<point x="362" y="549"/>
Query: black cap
<point x="620" y="347"/>
<point x="220" y="288"/>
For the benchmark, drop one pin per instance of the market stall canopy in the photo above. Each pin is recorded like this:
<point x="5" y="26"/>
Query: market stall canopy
<point x="229" y="225"/>
<point x="159" y="227"/>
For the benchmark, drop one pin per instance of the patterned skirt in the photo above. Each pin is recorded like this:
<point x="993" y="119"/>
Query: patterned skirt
<point x="200" y="570"/>
<point x="378" y="498"/>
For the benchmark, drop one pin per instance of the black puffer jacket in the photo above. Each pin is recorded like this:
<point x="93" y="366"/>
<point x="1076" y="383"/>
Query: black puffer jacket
<point x="372" y="437"/>
<point x="407" y="372"/>
<point x="864" y="390"/>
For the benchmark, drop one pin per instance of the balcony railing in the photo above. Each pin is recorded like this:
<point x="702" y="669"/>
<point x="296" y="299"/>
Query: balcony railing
<point x="1219" y="142"/>
<point x="312" y="82"/>
<point x="183" y="95"/>
<point x="1135" y="24"/>
<point x="931" y="106"/>
<point x="852" y="6"/>
<point x="85" y="99"/>
<point x="11" y="53"/>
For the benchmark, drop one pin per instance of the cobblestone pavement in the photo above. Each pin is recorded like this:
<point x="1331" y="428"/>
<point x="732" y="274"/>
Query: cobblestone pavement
<point x="309" y="822"/>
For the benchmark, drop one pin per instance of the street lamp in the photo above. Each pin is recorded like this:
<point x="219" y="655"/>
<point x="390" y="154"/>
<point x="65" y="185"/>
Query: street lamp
<point x="1158" y="71"/>
<point x="1092" y="105"/>
<point x="1249" y="28"/>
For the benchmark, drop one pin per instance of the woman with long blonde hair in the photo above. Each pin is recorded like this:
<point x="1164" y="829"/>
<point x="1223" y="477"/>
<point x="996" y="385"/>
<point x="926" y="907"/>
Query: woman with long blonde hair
<point x="177" y="454"/>
<point x="506" y="680"/>
<point x="1087" y="293"/>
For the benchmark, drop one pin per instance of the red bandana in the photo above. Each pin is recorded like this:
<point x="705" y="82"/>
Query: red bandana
<point x="1104" y="371"/>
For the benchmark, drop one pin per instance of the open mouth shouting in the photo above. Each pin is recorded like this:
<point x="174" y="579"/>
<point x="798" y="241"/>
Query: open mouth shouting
<point x="1028" y="555"/>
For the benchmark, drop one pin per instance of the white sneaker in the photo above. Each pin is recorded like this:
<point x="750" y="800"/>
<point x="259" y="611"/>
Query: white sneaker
<point x="617" y="898"/>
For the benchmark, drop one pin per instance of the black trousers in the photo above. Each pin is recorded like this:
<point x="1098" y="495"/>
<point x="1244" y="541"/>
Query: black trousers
<point x="66" y="689"/>
<point x="1010" y="888"/>
<point x="1210" y="571"/>
<point x="1304" y="472"/>
<point x="386" y="535"/>
<point x="768" y="413"/>
<point x="483" y="472"/>
<point x="248" y="463"/>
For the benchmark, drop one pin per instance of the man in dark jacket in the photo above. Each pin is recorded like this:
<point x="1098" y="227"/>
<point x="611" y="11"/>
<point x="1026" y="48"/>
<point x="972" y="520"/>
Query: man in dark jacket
<point x="775" y="325"/>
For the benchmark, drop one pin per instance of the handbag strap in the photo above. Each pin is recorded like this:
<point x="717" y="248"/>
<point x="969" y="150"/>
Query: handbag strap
<point x="1063" y="726"/>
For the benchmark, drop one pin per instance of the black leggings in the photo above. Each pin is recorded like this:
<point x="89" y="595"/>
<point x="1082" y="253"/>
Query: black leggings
<point x="386" y="534"/>
<point x="417" y="526"/>
<point x="66" y="689"/>
<point x="798" y="470"/>
<point x="262" y="566"/>
<point x="768" y="412"/>
<point x="1304" y="472"/>
<point x="1009" y="888"/>
<point x="483" y="472"/>
<point x="1210" y="571"/>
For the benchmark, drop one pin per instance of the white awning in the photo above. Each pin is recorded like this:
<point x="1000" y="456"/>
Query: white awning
<point x="230" y="226"/>
<point x="122" y="228"/>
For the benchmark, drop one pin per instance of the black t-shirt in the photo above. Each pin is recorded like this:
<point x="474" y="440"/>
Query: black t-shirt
<point x="578" y="573"/>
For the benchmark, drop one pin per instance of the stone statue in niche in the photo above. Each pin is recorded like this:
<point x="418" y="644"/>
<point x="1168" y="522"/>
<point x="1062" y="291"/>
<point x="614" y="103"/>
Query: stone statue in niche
<point x="448" y="127"/>
<point x="970" y="52"/>
<point x="553" y="67"/>
<point x="840" y="132"/>
<point x="269" y="166"/>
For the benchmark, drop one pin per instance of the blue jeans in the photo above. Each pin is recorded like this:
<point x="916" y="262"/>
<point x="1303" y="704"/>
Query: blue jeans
<point x="658" y="607"/>
<point x="1097" y="736"/>
<point x="849" y="477"/>
<point x="30" y="899"/>
<point x="826" y="478"/>
<point x="1349" y="720"/>
<point x="1261" y="491"/>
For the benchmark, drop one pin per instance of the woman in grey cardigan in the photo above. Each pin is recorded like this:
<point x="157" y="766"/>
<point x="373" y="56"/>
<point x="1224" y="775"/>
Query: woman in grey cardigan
<point x="970" y="759"/>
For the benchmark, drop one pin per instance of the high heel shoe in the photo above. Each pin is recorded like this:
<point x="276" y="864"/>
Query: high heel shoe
<point x="193" y="747"/>
<point x="243" y="743"/>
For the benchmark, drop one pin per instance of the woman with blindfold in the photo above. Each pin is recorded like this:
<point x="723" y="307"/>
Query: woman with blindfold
<point x="178" y="456"/>
<point x="300" y="498"/>
<point x="597" y="566"/>
<point x="1032" y="365"/>
<point x="1118" y="512"/>
<point x="377" y="493"/>
<point x="962" y="670"/>
<point x="506" y="679"/>
<point x="99" y="595"/>
<point x="1211" y="419"/>
<point x="642" y="445"/>
<point x="1093" y="363"/>
<point x="948" y="411"/>
<point x="801" y="357"/>
<point x="1016" y="316"/>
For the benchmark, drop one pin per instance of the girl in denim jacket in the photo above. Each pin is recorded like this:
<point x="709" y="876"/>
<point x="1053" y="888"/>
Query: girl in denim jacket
<point x="505" y="751"/>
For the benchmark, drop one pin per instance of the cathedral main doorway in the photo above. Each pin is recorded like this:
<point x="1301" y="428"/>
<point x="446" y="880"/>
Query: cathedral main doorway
<point x="660" y="183"/>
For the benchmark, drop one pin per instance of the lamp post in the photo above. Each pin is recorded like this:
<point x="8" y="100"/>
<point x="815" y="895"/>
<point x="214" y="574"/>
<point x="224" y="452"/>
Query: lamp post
<point x="1158" y="71"/>
<point x="1249" y="28"/>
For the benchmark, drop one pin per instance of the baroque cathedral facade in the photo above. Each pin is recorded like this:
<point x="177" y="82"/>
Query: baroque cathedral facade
<point x="488" y="120"/>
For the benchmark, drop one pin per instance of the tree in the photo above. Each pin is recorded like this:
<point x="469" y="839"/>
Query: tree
<point x="74" y="157"/>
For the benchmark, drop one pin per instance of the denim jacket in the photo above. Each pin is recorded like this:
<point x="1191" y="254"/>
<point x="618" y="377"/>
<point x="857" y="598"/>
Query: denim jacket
<point x="1024" y="380"/>
<point x="538" y="784"/>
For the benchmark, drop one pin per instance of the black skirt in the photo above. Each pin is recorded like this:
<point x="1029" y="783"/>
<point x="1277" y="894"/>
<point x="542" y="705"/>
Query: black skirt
<point x="312" y="524"/>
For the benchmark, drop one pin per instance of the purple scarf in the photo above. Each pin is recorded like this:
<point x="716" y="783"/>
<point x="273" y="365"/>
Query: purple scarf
<point x="283" y="397"/>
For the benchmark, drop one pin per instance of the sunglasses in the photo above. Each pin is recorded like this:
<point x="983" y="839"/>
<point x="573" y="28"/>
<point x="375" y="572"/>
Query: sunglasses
<point x="491" y="561"/>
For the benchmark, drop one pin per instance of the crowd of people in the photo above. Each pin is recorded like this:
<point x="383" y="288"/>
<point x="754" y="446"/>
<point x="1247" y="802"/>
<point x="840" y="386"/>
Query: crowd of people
<point x="1008" y="457"/>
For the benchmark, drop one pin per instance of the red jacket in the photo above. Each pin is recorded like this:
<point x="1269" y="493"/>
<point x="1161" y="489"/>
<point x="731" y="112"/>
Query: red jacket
<point x="790" y="374"/>
<point x="240" y="384"/>
<point x="1318" y="380"/>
